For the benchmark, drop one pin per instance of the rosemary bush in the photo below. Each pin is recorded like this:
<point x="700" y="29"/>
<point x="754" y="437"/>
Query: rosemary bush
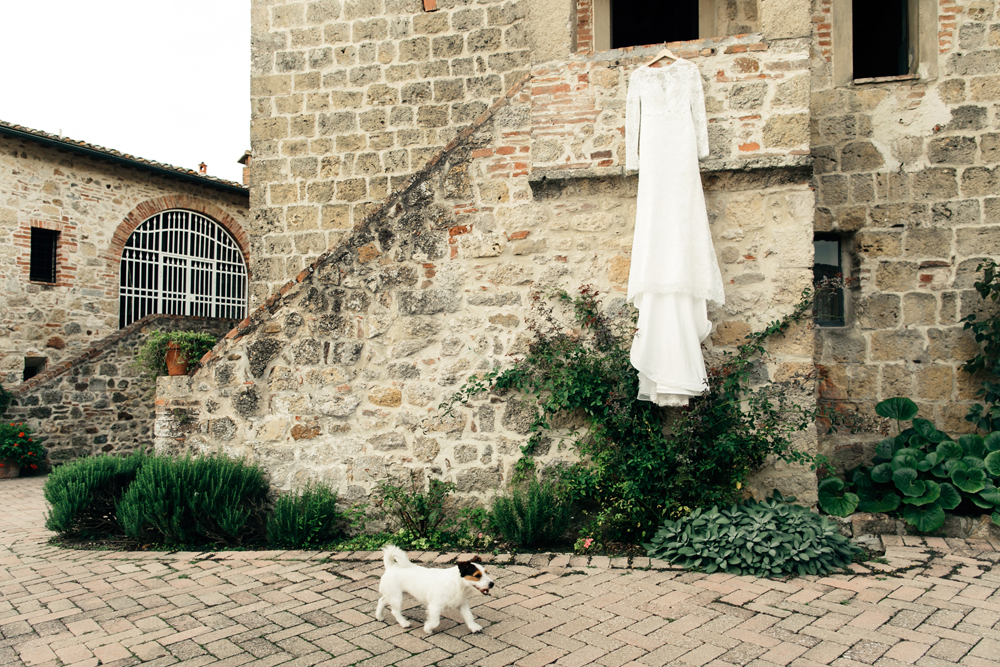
<point x="83" y="495"/>
<point x="532" y="513"/>
<point x="306" y="520"/>
<point x="195" y="501"/>
<point x="640" y="462"/>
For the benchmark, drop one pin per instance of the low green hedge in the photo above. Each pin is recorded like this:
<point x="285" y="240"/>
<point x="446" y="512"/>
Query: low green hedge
<point x="83" y="496"/>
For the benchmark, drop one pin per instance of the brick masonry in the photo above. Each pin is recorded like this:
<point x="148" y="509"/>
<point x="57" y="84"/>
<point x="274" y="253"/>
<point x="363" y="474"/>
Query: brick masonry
<point x="94" y="204"/>
<point x="96" y="402"/>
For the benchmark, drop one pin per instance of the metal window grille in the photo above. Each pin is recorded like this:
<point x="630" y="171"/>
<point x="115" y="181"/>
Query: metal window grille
<point x="44" y="244"/>
<point x="181" y="263"/>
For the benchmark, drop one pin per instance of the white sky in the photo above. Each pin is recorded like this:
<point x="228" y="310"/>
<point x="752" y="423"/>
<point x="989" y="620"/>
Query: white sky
<point x="165" y="80"/>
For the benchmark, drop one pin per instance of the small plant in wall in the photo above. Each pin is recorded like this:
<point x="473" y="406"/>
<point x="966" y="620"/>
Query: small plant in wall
<point x="922" y="473"/>
<point x="188" y="347"/>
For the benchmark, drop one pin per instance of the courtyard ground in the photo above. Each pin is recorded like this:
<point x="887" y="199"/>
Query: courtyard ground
<point x="935" y="602"/>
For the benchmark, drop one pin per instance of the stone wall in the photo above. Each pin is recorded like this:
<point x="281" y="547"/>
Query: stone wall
<point x="907" y="173"/>
<point x="87" y="200"/>
<point x="339" y="373"/>
<point x="96" y="402"/>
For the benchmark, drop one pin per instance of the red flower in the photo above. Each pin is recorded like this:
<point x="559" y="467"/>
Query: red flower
<point x="21" y="434"/>
<point x="33" y="465"/>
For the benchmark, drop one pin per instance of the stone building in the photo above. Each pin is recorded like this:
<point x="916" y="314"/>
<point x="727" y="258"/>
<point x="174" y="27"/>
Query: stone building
<point x="92" y="243"/>
<point x="423" y="169"/>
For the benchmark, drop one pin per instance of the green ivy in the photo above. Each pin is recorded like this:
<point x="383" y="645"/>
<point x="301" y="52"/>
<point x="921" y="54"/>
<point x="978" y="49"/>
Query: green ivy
<point x="763" y="539"/>
<point x="987" y="331"/>
<point x="921" y="473"/>
<point x="641" y="462"/>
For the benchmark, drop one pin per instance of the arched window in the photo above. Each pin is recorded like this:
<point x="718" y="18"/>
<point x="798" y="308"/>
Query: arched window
<point x="181" y="263"/>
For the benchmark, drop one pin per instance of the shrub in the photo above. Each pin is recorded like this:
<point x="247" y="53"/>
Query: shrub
<point x="641" y="462"/>
<point x="532" y="513"/>
<point x="150" y="359"/>
<point x="306" y="520"/>
<point x="987" y="332"/>
<point x="921" y="470"/>
<point x="195" y="501"/>
<point x="420" y="513"/>
<point x="18" y="447"/>
<point x="763" y="539"/>
<point x="83" y="495"/>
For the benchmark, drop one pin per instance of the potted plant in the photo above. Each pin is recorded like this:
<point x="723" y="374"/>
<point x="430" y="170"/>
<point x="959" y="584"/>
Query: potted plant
<point x="18" y="450"/>
<point x="171" y="352"/>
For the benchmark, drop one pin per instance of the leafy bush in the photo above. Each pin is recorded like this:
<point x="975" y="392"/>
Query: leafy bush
<point x="420" y="513"/>
<point x="641" y="462"/>
<point x="18" y="447"/>
<point x="763" y="539"/>
<point x="987" y="332"/>
<point x="151" y="357"/>
<point x="532" y="513"/>
<point x="306" y="520"/>
<point x="194" y="501"/>
<point x="921" y="470"/>
<point x="83" y="495"/>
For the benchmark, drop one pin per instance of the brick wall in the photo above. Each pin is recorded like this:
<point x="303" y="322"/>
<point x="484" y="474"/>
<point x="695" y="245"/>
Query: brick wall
<point x="95" y="401"/>
<point x="91" y="203"/>
<point x="907" y="172"/>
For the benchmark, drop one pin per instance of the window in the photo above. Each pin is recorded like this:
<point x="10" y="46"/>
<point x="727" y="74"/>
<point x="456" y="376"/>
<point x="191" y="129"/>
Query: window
<point x="828" y="309"/>
<point x="33" y="366"/>
<point x="621" y="23"/>
<point x="885" y="40"/>
<point x="44" y="243"/>
<point x="181" y="263"/>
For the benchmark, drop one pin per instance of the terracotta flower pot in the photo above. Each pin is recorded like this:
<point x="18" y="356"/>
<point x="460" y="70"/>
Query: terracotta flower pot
<point x="9" y="469"/>
<point x="174" y="365"/>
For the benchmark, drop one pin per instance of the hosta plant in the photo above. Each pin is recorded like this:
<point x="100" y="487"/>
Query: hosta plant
<point x="921" y="473"/>
<point x="764" y="539"/>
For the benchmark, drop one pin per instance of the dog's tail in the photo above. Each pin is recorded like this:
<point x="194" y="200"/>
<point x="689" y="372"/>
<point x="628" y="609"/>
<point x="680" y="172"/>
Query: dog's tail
<point x="391" y="553"/>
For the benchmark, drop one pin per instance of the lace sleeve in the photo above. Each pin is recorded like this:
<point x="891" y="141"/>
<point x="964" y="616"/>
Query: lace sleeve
<point x="632" y="112"/>
<point x="698" y="114"/>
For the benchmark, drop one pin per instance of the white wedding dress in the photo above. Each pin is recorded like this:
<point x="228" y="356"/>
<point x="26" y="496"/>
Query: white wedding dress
<point x="674" y="272"/>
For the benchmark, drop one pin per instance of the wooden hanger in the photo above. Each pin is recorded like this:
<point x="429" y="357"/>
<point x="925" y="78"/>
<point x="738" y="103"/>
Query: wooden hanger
<point x="665" y="53"/>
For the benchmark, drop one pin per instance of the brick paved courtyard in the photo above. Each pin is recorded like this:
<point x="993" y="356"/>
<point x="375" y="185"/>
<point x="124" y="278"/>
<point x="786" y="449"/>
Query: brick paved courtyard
<point x="936" y="602"/>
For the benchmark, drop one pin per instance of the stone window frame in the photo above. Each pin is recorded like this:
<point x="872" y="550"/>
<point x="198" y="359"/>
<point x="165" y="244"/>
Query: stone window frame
<point x="848" y="269"/>
<point x="66" y="245"/>
<point x="923" y="14"/>
<point x="594" y="24"/>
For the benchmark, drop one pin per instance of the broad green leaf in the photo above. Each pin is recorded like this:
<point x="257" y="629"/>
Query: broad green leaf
<point x="996" y="518"/>
<point x="991" y="494"/>
<point x="907" y="483"/>
<point x="949" y="450"/>
<point x="979" y="502"/>
<point x="973" y="445"/>
<point x="915" y="454"/>
<point x="926" y="429"/>
<point x="900" y="409"/>
<point x="973" y="462"/>
<point x="950" y="497"/>
<point x="932" y="494"/>
<point x="925" y="518"/>
<point x="970" y="481"/>
<point x="834" y="500"/>
<point x="888" y="503"/>
<point x="904" y="461"/>
<point x="992" y="442"/>
<point x="885" y="449"/>
<point x="882" y="473"/>
<point x="861" y="480"/>
<point x="992" y="462"/>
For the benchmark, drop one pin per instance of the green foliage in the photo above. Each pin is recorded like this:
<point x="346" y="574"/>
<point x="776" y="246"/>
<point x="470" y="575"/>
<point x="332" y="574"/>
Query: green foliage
<point x="150" y="359"/>
<point x="18" y="447"/>
<point x="421" y="513"/>
<point x="921" y="470"/>
<point x="987" y="331"/>
<point x="196" y="501"/>
<point x="532" y="513"/>
<point x="306" y="520"/>
<point x="5" y="399"/>
<point x="83" y="495"/>
<point x="763" y="539"/>
<point x="641" y="462"/>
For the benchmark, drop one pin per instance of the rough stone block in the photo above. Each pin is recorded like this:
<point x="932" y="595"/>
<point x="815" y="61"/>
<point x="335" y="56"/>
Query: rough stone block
<point x="980" y="181"/>
<point x="952" y="150"/>
<point x="899" y="345"/>
<point x="879" y="311"/>
<point x="860" y="156"/>
<point x="896" y="276"/>
<point x="843" y="345"/>
<point x="977" y="241"/>
<point x="919" y="308"/>
<point x="927" y="243"/>
<point x="935" y="183"/>
<point x="935" y="382"/>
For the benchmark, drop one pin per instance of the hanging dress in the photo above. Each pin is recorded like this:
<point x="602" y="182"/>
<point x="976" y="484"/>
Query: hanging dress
<point x="674" y="272"/>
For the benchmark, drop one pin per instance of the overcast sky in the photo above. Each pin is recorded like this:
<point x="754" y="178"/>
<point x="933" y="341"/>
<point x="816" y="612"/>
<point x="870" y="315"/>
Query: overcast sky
<point x="162" y="80"/>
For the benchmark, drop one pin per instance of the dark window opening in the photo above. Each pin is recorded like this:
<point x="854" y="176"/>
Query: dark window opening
<point x="43" y="255"/>
<point x="828" y="309"/>
<point x="881" y="39"/>
<point x="33" y="366"/>
<point x="640" y="22"/>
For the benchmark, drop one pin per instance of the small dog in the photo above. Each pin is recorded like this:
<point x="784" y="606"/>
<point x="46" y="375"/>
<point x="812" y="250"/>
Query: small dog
<point x="437" y="589"/>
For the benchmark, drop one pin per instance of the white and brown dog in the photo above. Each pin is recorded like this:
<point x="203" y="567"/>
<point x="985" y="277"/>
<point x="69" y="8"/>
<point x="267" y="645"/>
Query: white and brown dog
<point x="436" y="589"/>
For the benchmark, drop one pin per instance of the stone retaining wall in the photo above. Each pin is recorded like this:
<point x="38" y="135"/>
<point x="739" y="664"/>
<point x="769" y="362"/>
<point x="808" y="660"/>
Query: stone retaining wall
<point x="96" y="402"/>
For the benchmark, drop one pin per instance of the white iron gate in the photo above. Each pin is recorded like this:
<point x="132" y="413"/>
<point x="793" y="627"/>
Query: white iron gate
<point x="181" y="263"/>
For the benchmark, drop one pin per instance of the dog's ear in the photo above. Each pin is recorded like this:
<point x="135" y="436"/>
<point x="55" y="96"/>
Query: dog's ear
<point x="466" y="568"/>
